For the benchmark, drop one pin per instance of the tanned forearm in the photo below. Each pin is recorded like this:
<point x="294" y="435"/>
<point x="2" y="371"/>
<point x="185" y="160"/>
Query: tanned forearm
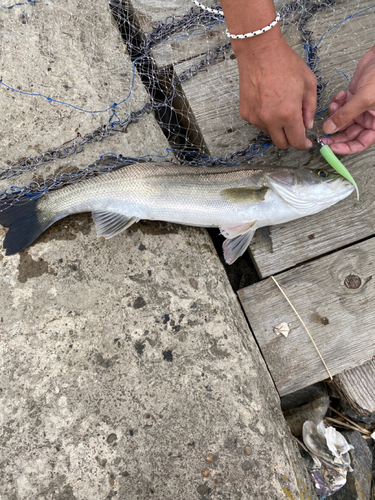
<point x="277" y="89"/>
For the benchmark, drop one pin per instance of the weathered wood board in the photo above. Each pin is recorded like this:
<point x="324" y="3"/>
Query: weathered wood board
<point x="339" y="316"/>
<point x="356" y="387"/>
<point x="215" y="92"/>
<point x="185" y="44"/>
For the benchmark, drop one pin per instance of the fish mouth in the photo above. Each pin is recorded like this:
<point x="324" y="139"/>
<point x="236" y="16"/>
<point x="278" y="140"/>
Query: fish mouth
<point x="339" y="183"/>
<point x="338" y="189"/>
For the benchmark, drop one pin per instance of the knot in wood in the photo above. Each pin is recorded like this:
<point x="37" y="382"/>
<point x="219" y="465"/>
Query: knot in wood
<point x="352" y="281"/>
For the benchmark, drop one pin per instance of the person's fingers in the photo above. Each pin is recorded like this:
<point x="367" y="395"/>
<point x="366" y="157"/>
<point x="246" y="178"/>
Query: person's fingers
<point x="340" y="98"/>
<point x="279" y="138"/>
<point x="344" y="115"/>
<point x="291" y="135"/>
<point x="364" y="141"/>
<point x="354" y="140"/>
<point x="309" y="103"/>
<point x="333" y="107"/>
<point x="341" y="148"/>
<point x="296" y="135"/>
<point x="350" y="134"/>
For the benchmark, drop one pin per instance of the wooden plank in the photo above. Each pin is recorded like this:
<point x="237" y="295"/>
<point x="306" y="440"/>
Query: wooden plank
<point x="183" y="45"/>
<point x="356" y="388"/>
<point x="188" y="44"/>
<point x="339" y="316"/>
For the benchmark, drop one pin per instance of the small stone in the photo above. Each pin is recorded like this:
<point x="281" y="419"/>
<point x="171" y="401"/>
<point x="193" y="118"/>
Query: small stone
<point x="209" y="458"/>
<point x="206" y="473"/>
<point x="247" y="465"/>
<point x="203" y="489"/>
<point x="168" y="355"/>
<point x="139" y="302"/>
<point x="193" y="283"/>
<point x="247" y="450"/>
<point x="111" y="438"/>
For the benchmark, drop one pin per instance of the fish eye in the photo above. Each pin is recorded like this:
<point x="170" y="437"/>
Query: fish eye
<point x="322" y="173"/>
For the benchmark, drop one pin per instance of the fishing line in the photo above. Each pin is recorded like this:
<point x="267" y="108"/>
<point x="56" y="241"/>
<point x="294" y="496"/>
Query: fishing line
<point x="305" y="327"/>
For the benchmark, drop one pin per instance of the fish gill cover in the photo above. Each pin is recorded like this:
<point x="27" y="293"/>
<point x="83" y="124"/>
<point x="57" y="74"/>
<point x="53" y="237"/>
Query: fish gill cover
<point x="175" y="50"/>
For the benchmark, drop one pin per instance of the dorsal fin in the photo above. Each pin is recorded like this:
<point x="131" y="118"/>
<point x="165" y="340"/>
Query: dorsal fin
<point x="109" y="224"/>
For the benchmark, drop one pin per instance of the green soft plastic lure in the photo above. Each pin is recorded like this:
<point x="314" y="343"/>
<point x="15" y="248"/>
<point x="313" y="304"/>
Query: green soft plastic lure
<point x="335" y="163"/>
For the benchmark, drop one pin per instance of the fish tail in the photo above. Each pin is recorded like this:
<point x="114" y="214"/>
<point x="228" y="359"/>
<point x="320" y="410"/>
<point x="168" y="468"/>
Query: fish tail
<point x="25" y="223"/>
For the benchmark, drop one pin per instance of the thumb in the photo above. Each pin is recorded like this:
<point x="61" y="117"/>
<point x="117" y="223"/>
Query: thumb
<point x="344" y="115"/>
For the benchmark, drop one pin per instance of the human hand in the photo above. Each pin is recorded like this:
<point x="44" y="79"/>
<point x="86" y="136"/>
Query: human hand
<point x="353" y="111"/>
<point x="277" y="91"/>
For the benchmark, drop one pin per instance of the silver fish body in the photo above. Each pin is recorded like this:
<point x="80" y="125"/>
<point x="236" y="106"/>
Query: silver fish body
<point x="238" y="200"/>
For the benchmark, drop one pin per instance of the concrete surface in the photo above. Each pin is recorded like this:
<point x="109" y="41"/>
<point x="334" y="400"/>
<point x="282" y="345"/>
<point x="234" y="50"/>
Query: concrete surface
<point x="71" y="52"/>
<point x="127" y="369"/>
<point x="125" y="364"/>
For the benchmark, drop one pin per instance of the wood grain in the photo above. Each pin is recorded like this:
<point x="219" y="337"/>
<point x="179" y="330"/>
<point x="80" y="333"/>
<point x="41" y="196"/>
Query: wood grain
<point x="339" y="317"/>
<point x="356" y="388"/>
<point x="185" y="44"/>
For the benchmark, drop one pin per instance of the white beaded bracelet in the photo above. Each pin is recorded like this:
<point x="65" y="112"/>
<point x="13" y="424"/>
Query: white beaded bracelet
<point x="208" y="9"/>
<point x="257" y="32"/>
<point x="245" y="35"/>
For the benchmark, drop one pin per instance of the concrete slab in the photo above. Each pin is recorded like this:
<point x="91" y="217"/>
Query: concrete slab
<point x="73" y="54"/>
<point x="126" y="364"/>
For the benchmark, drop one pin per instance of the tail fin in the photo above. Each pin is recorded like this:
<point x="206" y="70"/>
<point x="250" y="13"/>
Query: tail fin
<point x="25" y="225"/>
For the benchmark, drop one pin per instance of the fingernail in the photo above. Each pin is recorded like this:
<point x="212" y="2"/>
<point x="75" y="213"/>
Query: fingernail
<point x="333" y="107"/>
<point x="309" y="144"/>
<point x="329" y="127"/>
<point x="340" y="94"/>
<point x="311" y="124"/>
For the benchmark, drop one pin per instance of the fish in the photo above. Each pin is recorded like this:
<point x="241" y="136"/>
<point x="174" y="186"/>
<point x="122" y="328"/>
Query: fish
<point x="237" y="200"/>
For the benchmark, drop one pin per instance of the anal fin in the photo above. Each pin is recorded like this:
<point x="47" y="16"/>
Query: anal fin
<point x="235" y="247"/>
<point x="236" y="229"/>
<point x="109" y="224"/>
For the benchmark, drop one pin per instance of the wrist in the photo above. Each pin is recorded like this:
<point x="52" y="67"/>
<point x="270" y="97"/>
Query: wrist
<point x="259" y="45"/>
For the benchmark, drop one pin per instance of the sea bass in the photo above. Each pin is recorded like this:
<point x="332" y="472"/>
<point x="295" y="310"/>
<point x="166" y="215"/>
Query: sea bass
<point x="238" y="200"/>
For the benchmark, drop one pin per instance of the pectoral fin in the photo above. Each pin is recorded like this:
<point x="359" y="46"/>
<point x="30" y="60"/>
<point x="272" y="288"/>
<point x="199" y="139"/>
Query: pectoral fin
<point x="236" y="229"/>
<point x="235" y="247"/>
<point x="109" y="224"/>
<point x="289" y="196"/>
<point x="242" y="195"/>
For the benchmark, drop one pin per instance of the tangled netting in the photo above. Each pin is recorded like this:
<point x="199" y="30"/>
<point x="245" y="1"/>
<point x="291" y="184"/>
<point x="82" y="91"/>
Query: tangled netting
<point x="166" y="83"/>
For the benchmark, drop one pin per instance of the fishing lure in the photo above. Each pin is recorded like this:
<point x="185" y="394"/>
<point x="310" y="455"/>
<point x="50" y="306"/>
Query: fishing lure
<point x="335" y="163"/>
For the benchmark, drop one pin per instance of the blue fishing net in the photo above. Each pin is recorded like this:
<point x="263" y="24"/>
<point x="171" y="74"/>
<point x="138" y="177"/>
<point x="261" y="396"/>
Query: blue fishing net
<point x="178" y="53"/>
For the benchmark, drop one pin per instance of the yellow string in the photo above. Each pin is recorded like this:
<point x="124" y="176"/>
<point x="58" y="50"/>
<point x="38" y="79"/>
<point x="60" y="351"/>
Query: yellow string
<point x="299" y="317"/>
